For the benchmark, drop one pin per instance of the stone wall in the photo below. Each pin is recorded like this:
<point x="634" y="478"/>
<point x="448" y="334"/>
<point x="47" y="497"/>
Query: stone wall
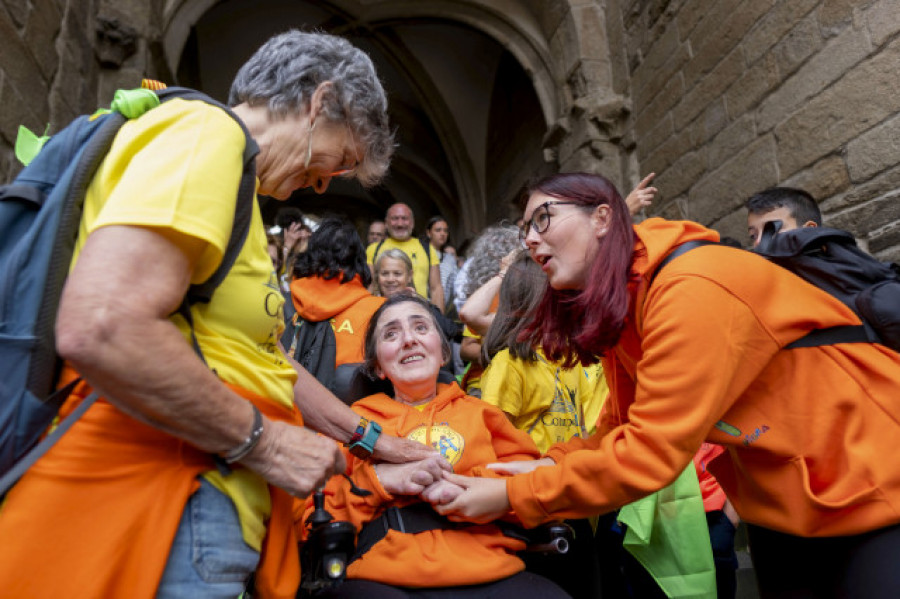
<point x="721" y="98"/>
<point x="46" y="68"/>
<point x="62" y="58"/>
<point x="730" y="97"/>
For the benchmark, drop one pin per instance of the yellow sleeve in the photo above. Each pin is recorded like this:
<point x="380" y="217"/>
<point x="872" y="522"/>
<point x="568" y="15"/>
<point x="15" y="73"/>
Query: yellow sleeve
<point x="176" y="167"/>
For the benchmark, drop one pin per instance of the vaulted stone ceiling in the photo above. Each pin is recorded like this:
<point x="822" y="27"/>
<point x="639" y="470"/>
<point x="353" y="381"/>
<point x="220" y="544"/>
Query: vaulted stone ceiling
<point x="470" y="125"/>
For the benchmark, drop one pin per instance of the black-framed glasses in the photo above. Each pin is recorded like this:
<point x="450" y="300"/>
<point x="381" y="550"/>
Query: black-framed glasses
<point x="540" y="218"/>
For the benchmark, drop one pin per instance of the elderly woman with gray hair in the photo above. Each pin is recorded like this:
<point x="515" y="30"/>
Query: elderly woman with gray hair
<point x="179" y="477"/>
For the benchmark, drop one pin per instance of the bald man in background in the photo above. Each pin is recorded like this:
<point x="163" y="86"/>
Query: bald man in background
<point x="400" y="222"/>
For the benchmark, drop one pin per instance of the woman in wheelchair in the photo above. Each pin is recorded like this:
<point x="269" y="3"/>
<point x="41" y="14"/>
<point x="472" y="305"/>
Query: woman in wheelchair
<point x="404" y="548"/>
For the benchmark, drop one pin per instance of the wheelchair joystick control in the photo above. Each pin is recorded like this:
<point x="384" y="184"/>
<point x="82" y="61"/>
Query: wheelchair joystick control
<point x="327" y="551"/>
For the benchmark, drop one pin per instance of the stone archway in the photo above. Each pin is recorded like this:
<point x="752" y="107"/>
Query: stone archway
<point x="482" y="93"/>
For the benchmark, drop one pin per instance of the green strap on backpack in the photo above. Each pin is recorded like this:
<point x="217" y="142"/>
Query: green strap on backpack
<point x="131" y="103"/>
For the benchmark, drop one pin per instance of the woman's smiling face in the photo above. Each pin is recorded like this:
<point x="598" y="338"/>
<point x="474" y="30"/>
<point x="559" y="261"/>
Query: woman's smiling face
<point x="409" y="351"/>
<point x="393" y="276"/>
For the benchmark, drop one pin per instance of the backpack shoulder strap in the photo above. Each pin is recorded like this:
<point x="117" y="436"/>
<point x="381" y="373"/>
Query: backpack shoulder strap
<point x="816" y="337"/>
<point x="426" y="245"/>
<point x="677" y="251"/>
<point x="377" y="249"/>
<point x="832" y="335"/>
<point x="202" y="292"/>
<point x="243" y="212"/>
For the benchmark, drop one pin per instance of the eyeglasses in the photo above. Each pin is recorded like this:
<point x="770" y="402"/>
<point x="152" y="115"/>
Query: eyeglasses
<point x="540" y="218"/>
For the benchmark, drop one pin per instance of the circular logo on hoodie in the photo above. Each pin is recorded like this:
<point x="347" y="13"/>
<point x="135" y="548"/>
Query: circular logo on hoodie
<point x="443" y="438"/>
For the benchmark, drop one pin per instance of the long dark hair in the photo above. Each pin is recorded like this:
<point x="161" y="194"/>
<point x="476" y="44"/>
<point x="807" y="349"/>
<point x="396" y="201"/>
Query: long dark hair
<point x="334" y="249"/>
<point x="522" y="289"/>
<point x="579" y="325"/>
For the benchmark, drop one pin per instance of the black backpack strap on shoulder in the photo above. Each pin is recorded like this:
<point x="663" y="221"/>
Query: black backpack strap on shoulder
<point x="679" y="250"/>
<point x="832" y="335"/>
<point x="377" y="249"/>
<point x="426" y="245"/>
<point x="243" y="212"/>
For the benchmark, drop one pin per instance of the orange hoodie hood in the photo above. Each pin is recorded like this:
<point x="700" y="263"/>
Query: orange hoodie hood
<point x="318" y="299"/>
<point x="348" y="306"/>
<point x="657" y="237"/>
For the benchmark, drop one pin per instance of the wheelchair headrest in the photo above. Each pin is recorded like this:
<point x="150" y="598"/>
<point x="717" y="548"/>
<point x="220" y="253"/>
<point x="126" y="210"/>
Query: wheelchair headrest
<point x="351" y="382"/>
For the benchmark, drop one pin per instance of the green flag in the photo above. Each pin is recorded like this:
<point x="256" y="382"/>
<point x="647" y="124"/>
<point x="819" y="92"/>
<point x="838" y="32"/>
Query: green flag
<point x="667" y="533"/>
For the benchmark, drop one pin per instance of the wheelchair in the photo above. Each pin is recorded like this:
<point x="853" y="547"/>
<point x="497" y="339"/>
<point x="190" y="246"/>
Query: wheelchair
<point x="332" y="545"/>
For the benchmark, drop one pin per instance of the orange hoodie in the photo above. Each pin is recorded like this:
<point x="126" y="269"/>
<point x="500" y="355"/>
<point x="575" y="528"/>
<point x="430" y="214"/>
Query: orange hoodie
<point x="348" y="306"/>
<point x="470" y="434"/>
<point x="807" y="431"/>
<point x="116" y="488"/>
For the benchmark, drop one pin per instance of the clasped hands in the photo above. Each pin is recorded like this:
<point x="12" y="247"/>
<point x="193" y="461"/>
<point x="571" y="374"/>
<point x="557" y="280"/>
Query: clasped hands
<point x="460" y="498"/>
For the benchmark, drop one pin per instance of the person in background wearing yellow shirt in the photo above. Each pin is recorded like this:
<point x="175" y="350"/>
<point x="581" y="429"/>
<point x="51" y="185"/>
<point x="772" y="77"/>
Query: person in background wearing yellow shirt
<point x="426" y="262"/>
<point x="551" y="403"/>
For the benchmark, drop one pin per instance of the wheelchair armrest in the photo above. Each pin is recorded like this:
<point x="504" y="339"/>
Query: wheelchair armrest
<point x="551" y="537"/>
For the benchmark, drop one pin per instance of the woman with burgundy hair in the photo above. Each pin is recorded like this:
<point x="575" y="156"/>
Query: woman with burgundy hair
<point x="696" y="352"/>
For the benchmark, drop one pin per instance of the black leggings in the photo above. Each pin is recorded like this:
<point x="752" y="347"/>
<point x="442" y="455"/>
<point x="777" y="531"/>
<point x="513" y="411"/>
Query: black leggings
<point x="523" y="585"/>
<point x="856" y="567"/>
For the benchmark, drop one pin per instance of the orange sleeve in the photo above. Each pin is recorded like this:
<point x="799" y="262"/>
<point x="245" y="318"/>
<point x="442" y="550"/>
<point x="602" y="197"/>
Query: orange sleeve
<point x="677" y="400"/>
<point x="510" y="444"/>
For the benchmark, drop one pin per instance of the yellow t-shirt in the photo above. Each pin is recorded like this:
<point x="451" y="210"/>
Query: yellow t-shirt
<point x="421" y="262"/>
<point x="550" y="403"/>
<point x="177" y="168"/>
<point x="472" y="377"/>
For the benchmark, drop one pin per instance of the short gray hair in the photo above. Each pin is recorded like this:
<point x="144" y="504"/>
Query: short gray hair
<point x="489" y="248"/>
<point x="287" y="69"/>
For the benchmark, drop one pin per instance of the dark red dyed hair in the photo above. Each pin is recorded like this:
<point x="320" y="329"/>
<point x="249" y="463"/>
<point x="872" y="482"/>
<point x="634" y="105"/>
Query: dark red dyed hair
<point x="579" y="325"/>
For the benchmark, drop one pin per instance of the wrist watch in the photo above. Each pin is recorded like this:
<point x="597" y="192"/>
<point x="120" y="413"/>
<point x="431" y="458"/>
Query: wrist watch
<point x="363" y="446"/>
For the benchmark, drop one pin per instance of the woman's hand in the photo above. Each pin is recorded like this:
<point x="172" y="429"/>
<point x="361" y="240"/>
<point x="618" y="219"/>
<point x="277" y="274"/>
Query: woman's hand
<point x="295" y="458"/>
<point x="441" y="492"/>
<point x="520" y="467"/>
<point x="508" y="259"/>
<point x="641" y="196"/>
<point x="398" y="450"/>
<point x="411" y="478"/>
<point x="292" y="236"/>
<point x="483" y="500"/>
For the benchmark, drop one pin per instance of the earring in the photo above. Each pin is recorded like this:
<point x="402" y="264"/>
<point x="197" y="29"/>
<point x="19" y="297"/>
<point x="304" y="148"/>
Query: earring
<point x="309" y="131"/>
